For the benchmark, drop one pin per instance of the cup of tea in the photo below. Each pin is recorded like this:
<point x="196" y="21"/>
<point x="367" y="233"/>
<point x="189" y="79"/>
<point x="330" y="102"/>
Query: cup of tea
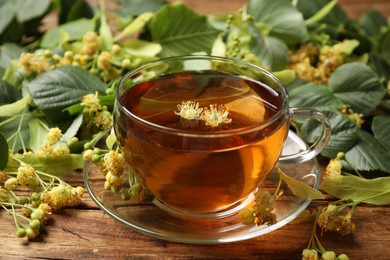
<point x="203" y="132"/>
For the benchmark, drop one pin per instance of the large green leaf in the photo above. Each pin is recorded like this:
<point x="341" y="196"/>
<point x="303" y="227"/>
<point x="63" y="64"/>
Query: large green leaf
<point x="384" y="44"/>
<point x="272" y="52"/>
<point x="381" y="129"/>
<point x="342" y="139"/>
<point x="136" y="7"/>
<point x="8" y="94"/>
<point x="181" y="31"/>
<point x="15" y="129"/>
<point x="335" y="17"/>
<point x="6" y="14"/>
<point x="286" y="21"/>
<point x="8" y="52"/>
<point x="369" y="154"/>
<point x="56" y="165"/>
<point x="313" y="95"/>
<point x="299" y="188"/>
<point x="372" y="23"/>
<point x="75" y="30"/>
<point x="29" y="9"/>
<point x="38" y="133"/>
<point x="74" y="9"/>
<point x="58" y="89"/>
<point x="15" y="107"/>
<point x="3" y="151"/>
<point x="374" y="191"/>
<point x="358" y="86"/>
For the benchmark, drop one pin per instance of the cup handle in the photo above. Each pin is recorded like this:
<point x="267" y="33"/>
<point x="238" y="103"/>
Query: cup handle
<point x="316" y="148"/>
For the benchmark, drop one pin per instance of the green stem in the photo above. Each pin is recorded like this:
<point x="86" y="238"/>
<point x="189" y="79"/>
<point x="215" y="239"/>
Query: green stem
<point x="278" y="187"/>
<point x="15" y="205"/>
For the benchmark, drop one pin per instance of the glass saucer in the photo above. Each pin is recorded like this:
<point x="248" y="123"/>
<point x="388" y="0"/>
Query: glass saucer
<point x="153" y="221"/>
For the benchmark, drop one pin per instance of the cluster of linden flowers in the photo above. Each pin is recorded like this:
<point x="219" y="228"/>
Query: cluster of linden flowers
<point x="111" y="164"/>
<point x="95" y="116"/>
<point x="212" y="116"/>
<point x="332" y="218"/>
<point x="262" y="211"/>
<point x="48" y="194"/>
<point x="315" y="247"/>
<point x="108" y="65"/>
<point x="317" y="64"/>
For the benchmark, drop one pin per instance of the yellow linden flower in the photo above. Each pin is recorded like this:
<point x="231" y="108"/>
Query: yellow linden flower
<point x="216" y="115"/>
<point x="310" y="254"/>
<point x="189" y="110"/>
<point x="91" y="102"/>
<point x="333" y="170"/>
<point x="54" y="135"/>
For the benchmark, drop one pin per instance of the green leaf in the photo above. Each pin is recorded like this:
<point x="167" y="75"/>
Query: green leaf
<point x="335" y="17"/>
<point x="300" y="189"/>
<point x="3" y="152"/>
<point x="8" y="93"/>
<point x="272" y="52"/>
<point x="181" y="31"/>
<point x="343" y="136"/>
<point x="358" y="86"/>
<point x="136" y="7"/>
<point x="384" y="44"/>
<point x="106" y="39"/>
<point x="369" y="154"/>
<point x="15" y="107"/>
<point x="15" y="129"/>
<point x="381" y="130"/>
<point x="141" y="48"/>
<point x="72" y="129"/>
<point x="29" y="9"/>
<point x="374" y="191"/>
<point x="38" y="133"/>
<point x="111" y="141"/>
<point x="313" y="95"/>
<point x="75" y="30"/>
<point x="321" y="13"/>
<point x="372" y="22"/>
<point x="73" y="10"/>
<point x="60" y="88"/>
<point x="286" y="21"/>
<point x="135" y="26"/>
<point x="56" y="165"/>
<point x="286" y="76"/>
<point x="11" y="74"/>
<point x="8" y="52"/>
<point x="6" y="15"/>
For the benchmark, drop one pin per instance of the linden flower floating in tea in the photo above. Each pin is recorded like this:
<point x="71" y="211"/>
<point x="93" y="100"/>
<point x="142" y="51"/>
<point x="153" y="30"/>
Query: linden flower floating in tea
<point x="214" y="116"/>
<point x="189" y="110"/>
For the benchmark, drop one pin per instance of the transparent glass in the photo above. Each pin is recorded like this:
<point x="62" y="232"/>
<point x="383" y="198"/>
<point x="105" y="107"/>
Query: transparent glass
<point x="206" y="172"/>
<point x="150" y="220"/>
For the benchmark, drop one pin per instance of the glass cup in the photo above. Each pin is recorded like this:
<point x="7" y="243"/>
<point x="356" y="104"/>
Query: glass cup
<point x="203" y="132"/>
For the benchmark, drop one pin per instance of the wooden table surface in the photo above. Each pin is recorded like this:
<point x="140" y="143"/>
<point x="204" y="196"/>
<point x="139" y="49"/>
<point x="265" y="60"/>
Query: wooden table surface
<point x="86" y="232"/>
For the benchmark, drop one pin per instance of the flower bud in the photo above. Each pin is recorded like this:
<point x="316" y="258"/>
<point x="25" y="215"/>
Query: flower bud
<point x="20" y="232"/>
<point x="11" y="183"/>
<point x="329" y="255"/>
<point x="87" y="155"/>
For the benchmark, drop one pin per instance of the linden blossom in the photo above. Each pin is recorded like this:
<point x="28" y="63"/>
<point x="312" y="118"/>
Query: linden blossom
<point x="213" y="116"/>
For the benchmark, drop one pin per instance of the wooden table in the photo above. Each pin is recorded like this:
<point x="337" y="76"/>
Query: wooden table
<point x="84" y="231"/>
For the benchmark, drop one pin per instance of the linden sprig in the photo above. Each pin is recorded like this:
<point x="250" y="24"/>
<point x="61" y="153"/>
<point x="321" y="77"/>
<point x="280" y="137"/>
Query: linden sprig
<point x="46" y="194"/>
<point x="111" y="163"/>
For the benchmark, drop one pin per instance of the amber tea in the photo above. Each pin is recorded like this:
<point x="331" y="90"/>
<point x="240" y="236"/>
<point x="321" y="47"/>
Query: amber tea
<point x="201" y="174"/>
